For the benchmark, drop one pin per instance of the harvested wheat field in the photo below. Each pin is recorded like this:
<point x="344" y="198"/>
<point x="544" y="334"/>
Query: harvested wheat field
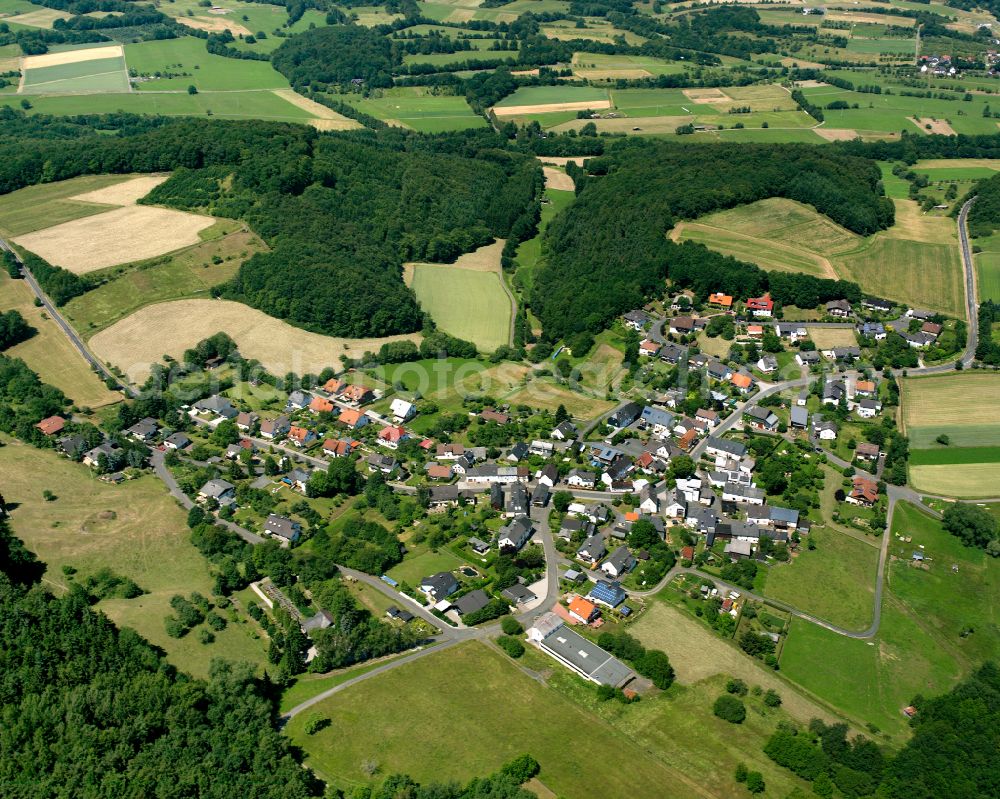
<point x="139" y="340"/>
<point x="836" y="134"/>
<point x="43" y="18"/>
<point x="914" y="225"/>
<point x="548" y="108"/>
<point x="327" y="118"/>
<point x="707" y="96"/>
<point x="613" y="74"/>
<point x="73" y="56"/>
<point x="128" y="192"/>
<point x="132" y="233"/>
<point x="556" y="179"/>
<point x="485" y="259"/>
<point x="214" y="25"/>
<point x="559" y="160"/>
<point x="939" y="126"/>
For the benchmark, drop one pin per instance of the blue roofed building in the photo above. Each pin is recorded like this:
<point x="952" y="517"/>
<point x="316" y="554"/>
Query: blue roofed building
<point x="607" y="593"/>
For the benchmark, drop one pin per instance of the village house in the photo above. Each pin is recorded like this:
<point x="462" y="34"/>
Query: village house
<point x="593" y="549"/>
<point x="549" y="475"/>
<point x="298" y="479"/>
<point x="518" y="452"/>
<point x="659" y="420"/>
<point x="491" y="473"/>
<point x="222" y="491"/>
<point x="298" y="400"/>
<point x="337" y="448"/>
<point x="220" y="407"/>
<point x="583" y="611"/>
<point x="761" y="307"/>
<point x="516" y="500"/>
<point x="717" y="370"/>
<point x="791" y="330"/>
<point x="177" y="441"/>
<point x="864" y="491"/>
<point x="401" y="410"/>
<point x="839" y="308"/>
<point x="564" y="431"/>
<point x="92" y="458"/>
<point x="864" y="388"/>
<point x="767" y="364"/>
<point x="472" y="602"/>
<point x="877" y="305"/>
<point x="625" y="415"/>
<point x="673" y="354"/>
<point x="681" y="325"/>
<point x="578" y="478"/>
<point x="721" y="446"/>
<point x="438" y="471"/>
<point x="247" y="421"/>
<point x="648" y="502"/>
<point x="867" y="452"/>
<point x="143" y="431"/>
<point x="275" y="428"/>
<point x="761" y="419"/>
<point x="873" y="330"/>
<point x="543" y="449"/>
<point x="710" y="418"/>
<point x="300" y="436"/>
<point x="825" y="431"/>
<point x="540" y="495"/>
<point x="490" y="415"/>
<point x="356" y="395"/>
<point x="799" y="418"/>
<point x="334" y="386"/>
<point x="573" y="525"/>
<point x="637" y="320"/>
<point x="282" y="528"/>
<point x="518" y="595"/>
<point x="514" y="535"/>
<point x="321" y="405"/>
<point x="869" y="408"/>
<point x="807" y="358"/>
<point x="619" y="563"/>
<point x="384" y="464"/>
<point x="743" y="382"/>
<point x="743" y="494"/>
<point x="439" y="586"/>
<point x="649" y="348"/>
<point x="720" y="300"/>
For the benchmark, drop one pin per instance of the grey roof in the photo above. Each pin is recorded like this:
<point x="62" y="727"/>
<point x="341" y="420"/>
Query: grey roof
<point x="583" y="655"/>
<point x="282" y="526"/>
<point x="471" y="602"/>
<point x="787" y="515"/>
<point x="217" y="404"/>
<point x="657" y="416"/>
<point x="621" y="559"/>
<point x="808" y="356"/>
<point x="518" y="594"/>
<point x="800" y="415"/>
<point x="179" y="440"/>
<point x="730" y="447"/>
<point x="593" y="547"/>
<point x="516" y="532"/>
<point x="216" y="488"/>
<point x="440" y="585"/>
<point x="540" y="496"/>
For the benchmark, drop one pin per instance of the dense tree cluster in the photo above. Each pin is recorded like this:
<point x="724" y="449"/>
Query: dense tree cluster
<point x="607" y="252"/>
<point x="14" y="329"/>
<point x="137" y="727"/>
<point x="984" y="215"/>
<point x="651" y="663"/>
<point x="338" y="55"/>
<point x="973" y="525"/>
<point x="25" y="400"/>
<point x="987" y="348"/>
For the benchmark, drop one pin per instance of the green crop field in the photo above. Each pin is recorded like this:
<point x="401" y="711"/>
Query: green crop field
<point x="659" y="738"/>
<point x="942" y="456"/>
<point x="195" y="66"/>
<point x="988" y="267"/>
<point x="188" y="273"/>
<point x="469" y="304"/>
<point x="99" y="75"/>
<point x="552" y="95"/>
<point x="876" y="46"/>
<point x="136" y="529"/>
<point x="529" y="252"/>
<point x="835" y="582"/>
<point x="225" y="105"/>
<point x="601" y="62"/>
<point x="654" y="102"/>
<point x="417" y="108"/>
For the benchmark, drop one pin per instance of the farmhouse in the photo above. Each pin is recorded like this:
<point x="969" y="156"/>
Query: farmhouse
<point x="577" y="653"/>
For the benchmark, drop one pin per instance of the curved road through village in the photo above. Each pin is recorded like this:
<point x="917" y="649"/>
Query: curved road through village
<point x="450" y="635"/>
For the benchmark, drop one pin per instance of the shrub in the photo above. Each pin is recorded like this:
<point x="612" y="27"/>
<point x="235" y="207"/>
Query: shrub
<point x="755" y="782"/>
<point x="216" y="622"/>
<point x="737" y="687"/>
<point x="206" y="636"/>
<point x="316" y="723"/>
<point x="741" y="772"/>
<point x="512" y="646"/>
<point x="729" y="708"/>
<point x="655" y="665"/>
<point x="772" y="698"/>
<point x="511" y="626"/>
<point x="521" y="769"/>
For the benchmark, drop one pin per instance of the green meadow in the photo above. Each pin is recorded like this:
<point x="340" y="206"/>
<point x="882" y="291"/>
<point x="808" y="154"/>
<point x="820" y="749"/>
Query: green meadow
<point x="201" y="69"/>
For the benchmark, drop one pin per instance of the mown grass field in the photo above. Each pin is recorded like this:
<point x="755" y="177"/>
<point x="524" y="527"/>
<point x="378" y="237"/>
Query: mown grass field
<point x="50" y="353"/>
<point x="471" y="305"/>
<point x="97" y="76"/>
<point x="136" y="529"/>
<point x="962" y="407"/>
<point x="190" y="272"/>
<point x="203" y="70"/>
<point x="417" y="108"/>
<point x="662" y="740"/>
<point x="552" y="95"/>
<point x="835" y="582"/>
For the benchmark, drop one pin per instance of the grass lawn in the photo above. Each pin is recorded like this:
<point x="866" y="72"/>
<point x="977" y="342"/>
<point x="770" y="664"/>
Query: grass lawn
<point x="918" y="648"/>
<point x="50" y="353"/>
<point x="225" y="105"/>
<point x="445" y="691"/>
<point x="195" y="66"/>
<point x="134" y="528"/>
<point x="190" y="272"/>
<point x="471" y="305"/>
<point x="308" y="685"/>
<point x="421" y="562"/>
<point x="47" y="204"/>
<point x="835" y="582"/>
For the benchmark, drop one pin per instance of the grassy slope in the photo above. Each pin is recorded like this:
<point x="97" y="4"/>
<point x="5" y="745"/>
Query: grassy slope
<point x="205" y="71"/>
<point x="49" y="352"/>
<point x="470" y="305"/>
<point x="835" y="581"/>
<point x="918" y="647"/>
<point x="134" y="528"/>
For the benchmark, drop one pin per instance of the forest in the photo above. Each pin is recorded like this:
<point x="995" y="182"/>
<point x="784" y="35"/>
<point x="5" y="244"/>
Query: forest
<point x="608" y="251"/>
<point x="984" y="215"/>
<point x="340" y="213"/>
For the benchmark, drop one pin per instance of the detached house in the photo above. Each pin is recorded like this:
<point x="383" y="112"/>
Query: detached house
<point x="282" y="528"/>
<point x="864" y="492"/>
<point x="352" y="419"/>
<point x="762" y="419"/>
<point x="620" y="562"/>
<point x="867" y="452"/>
<point x="514" y="535"/>
<point x="300" y="436"/>
<point x="275" y="428"/>
<point x="564" y="431"/>
<point x="578" y="478"/>
<point x="681" y="325"/>
<point x="392" y="436"/>
<point x="321" y="405"/>
<point x="219" y="406"/>
<point x="761" y="307"/>
<point x="839" y="308"/>
<point x="625" y="415"/>
<point x="439" y="586"/>
<point x="337" y="448"/>
<point x="742" y="381"/>
<point x="721" y="300"/>
<point x="402" y="411"/>
<point x="659" y="420"/>
<point x="825" y="431"/>
<point x="649" y="348"/>
<point x="357" y="395"/>
<point x="222" y="491"/>
<point x="637" y="320"/>
<point x="593" y="549"/>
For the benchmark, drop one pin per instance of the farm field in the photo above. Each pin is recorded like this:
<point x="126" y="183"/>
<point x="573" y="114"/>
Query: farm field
<point x="47" y="204"/>
<point x="450" y="685"/>
<point x="918" y="648"/>
<point x="835" y="582"/>
<point x="915" y="262"/>
<point x="96" y="75"/>
<point x="136" y="529"/>
<point x="466" y="299"/>
<point x="416" y="108"/>
<point x="191" y="272"/>
<point x="181" y="324"/>
<point x="198" y="67"/>
<point x="962" y="407"/>
<point x="598" y="66"/>
<point x="547" y="99"/>
<point x="266" y="105"/>
<point x="118" y="236"/>
<point x="50" y="353"/>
